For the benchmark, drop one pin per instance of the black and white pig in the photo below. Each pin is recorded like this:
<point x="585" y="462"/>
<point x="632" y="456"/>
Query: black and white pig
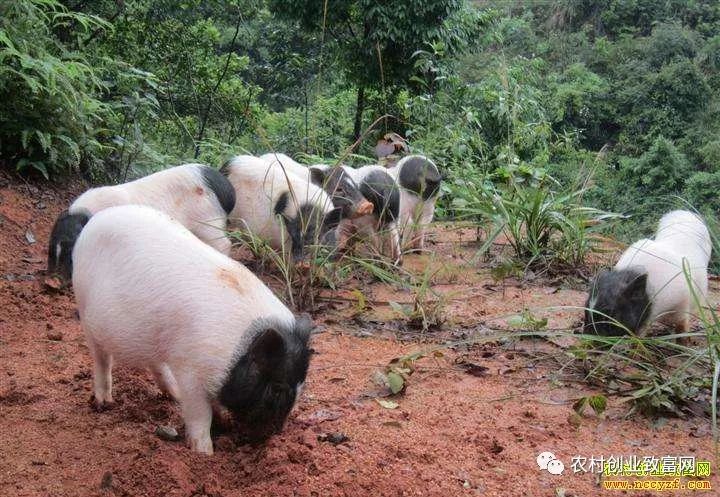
<point x="419" y="180"/>
<point x="210" y="331"/>
<point x="197" y="196"/>
<point x="341" y="187"/>
<point x="275" y="204"/>
<point x="648" y="283"/>
<point x="381" y="225"/>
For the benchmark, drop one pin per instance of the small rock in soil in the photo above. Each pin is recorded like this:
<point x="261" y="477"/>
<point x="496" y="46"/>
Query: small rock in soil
<point x="312" y="469"/>
<point x="54" y="335"/>
<point x="167" y="433"/>
<point x="30" y="237"/>
<point x="474" y="369"/>
<point x="334" y="438"/>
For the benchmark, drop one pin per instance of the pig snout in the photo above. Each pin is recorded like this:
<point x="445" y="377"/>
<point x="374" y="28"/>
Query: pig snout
<point x="363" y="208"/>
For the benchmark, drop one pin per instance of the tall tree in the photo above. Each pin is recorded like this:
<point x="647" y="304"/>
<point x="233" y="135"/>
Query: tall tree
<point x="377" y="40"/>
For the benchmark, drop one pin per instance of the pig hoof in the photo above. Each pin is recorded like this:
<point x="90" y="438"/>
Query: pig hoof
<point x="100" y="406"/>
<point x="201" y="445"/>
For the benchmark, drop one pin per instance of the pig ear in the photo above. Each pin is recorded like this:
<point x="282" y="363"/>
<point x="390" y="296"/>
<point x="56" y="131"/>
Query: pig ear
<point x="636" y="287"/>
<point x="317" y="176"/>
<point x="332" y="219"/>
<point x="597" y="280"/>
<point x="304" y="325"/>
<point x="292" y="228"/>
<point x="267" y="348"/>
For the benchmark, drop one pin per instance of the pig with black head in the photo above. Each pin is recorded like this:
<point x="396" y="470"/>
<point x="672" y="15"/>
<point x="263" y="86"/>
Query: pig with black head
<point x="211" y="332"/>
<point x="279" y="206"/>
<point x="649" y="281"/>
<point x="419" y="180"/>
<point x="380" y="225"/>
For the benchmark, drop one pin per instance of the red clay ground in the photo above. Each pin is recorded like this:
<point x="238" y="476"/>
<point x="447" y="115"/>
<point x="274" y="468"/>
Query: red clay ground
<point x="452" y="434"/>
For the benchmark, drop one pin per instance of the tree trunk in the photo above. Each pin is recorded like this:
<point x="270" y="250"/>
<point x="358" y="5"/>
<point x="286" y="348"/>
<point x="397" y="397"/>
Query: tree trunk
<point x="358" y="113"/>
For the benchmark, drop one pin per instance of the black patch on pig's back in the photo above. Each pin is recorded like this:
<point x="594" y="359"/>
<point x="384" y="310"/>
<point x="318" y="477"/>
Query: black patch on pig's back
<point x="420" y="176"/>
<point x="220" y="186"/>
<point x="380" y="189"/>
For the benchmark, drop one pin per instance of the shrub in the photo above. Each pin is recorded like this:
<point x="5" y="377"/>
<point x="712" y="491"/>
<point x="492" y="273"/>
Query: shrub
<point x="659" y="171"/>
<point x="50" y="116"/>
<point x="323" y="129"/>
<point x="701" y="191"/>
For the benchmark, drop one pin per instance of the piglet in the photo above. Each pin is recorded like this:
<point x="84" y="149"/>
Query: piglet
<point x="419" y="181"/>
<point x="648" y="283"/>
<point x="152" y="295"/>
<point x="198" y="196"/>
<point x="281" y="207"/>
<point x="342" y="189"/>
<point x="379" y="226"/>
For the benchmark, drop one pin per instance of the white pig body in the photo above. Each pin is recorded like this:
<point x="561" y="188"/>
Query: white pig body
<point x="341" y="187"/>
<point x="189" y="313"/>
<point x="681" y="237"/>
<point x="648" y="283"/>
<point x="195" y="195"/>
<point x="277" y="205"/>
<point x="288" y="163"/>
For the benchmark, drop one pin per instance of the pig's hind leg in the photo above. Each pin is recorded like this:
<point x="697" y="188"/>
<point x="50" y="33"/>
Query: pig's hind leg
<point x="102" y="376"/>
<point x="682" y="325"/>
<point x="166" y="381"/>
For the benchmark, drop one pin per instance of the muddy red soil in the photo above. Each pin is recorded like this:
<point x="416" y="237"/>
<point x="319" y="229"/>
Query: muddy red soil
<point x="452" y="433"/>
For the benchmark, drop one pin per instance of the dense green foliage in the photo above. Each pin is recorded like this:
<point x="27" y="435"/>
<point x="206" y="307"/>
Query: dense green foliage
<point x="614" y="98"/>
<point x="50" y="92"/>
